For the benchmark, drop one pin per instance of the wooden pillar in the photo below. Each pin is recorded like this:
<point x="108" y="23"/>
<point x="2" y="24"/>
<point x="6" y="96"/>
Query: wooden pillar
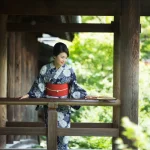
<point x="23" y="77"/>
<point x="52" y="127"/>
<point x="17" y="110"/>
<point x="11" y="79"/>
<point x="3" y="73"/>
<point x="31" y="72"/>
<point x="116" y="75"/>
<point x="129" y="87"/>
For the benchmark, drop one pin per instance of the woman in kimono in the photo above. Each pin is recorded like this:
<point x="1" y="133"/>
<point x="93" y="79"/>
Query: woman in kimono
<point x="58" y="80"/>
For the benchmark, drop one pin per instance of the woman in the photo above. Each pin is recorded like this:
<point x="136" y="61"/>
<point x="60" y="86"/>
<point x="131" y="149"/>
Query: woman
<point x="57" y="80"/>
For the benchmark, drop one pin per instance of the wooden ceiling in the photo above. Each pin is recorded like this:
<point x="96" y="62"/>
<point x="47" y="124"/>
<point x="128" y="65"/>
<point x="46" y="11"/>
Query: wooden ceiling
<point x="55" y="16"/>
<point x="41" y="24"/>
<point x="67" y="7"/>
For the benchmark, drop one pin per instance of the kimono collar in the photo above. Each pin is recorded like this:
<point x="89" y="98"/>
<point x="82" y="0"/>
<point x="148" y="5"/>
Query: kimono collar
<point x="53" y="66"/>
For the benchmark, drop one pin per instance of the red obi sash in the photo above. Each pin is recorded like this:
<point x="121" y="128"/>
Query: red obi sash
<point x="57" y="90"/>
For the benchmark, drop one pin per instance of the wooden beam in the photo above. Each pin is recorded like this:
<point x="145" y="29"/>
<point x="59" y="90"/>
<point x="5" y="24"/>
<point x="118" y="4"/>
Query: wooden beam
<point x="61" y="7"/>
<point x="66" y="7"/>
<point x="25" y="124"/>
<point x="113" y="132"/>
<point x="73" y="125"/>
<point x="144" y="8"/>
<point x="74" y="102"/>
<point x="91" y="125"/>
<point x="23" y="131"/>
<point x="64" y="27"/>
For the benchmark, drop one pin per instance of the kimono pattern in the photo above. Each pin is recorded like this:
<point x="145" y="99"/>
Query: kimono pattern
<point x="65" y="74"/>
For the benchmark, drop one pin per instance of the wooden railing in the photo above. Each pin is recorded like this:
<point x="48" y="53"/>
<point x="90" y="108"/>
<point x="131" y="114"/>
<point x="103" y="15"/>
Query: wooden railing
<point x="77" y="129"/>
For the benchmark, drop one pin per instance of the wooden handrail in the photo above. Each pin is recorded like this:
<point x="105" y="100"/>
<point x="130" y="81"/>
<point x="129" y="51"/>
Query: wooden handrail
<point x="52" y="131"/>
<point x="72" y="102"/>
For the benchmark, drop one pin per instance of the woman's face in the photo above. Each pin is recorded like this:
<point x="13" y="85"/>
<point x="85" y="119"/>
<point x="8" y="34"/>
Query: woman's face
<point x="60" y="59"/>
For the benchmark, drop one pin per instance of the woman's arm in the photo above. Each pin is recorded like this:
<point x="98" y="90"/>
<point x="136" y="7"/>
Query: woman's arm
<point x="24" y="96"/>
<point x="75" y="90"/>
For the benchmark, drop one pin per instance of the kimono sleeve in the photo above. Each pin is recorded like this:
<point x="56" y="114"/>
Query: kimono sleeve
<point x="38" y="88"/>
<point x="75" y="90"/>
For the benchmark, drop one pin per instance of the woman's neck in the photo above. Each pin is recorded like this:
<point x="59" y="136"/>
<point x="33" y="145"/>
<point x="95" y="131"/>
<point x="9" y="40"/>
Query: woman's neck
<point x="56" y="65"/>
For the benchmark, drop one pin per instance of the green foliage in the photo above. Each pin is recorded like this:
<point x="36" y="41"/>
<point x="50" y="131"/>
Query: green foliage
<point x="139" y="136"/>
<point x="92" y="61"/>
<point x="144" y="94"/>
<point x="100" y="143"/>
<point x="37" y="146"/>
<point x="92" y="114"/>
<point x="97" y="19"/>
<point x="92" y="58"/>
<point x="145" y="38"/>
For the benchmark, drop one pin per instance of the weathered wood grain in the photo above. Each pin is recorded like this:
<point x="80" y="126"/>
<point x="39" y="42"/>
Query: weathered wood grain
<point x="3" y="73"/>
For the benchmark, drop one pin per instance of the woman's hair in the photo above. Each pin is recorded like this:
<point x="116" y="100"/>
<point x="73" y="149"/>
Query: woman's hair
<point x="60" y="48"/>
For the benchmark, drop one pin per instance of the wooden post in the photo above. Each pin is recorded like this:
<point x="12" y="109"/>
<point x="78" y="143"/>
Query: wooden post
<point x="23" y="78"/>
<point x="17" y="110"/>
<point x="3" y="73"/>
<point x="31" y="46"/>
<point x="116" y="75"/>
<point x="52" y="127"/>
<point x="129" y="87"/>
<point x="11" y="79"/>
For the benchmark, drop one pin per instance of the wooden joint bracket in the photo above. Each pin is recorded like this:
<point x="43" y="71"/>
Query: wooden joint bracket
<point x="52" y="105"/>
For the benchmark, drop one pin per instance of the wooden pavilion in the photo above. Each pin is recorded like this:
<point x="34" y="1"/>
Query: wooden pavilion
<point x="21" y="22"/>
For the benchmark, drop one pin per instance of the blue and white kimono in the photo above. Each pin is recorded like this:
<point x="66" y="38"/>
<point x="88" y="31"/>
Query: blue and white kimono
<point x="65" y="74"/>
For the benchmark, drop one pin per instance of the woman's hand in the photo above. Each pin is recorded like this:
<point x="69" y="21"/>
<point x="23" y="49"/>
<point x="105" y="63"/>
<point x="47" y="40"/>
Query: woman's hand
<point x="91" y="97"/>
<point x="25" y="96"/>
